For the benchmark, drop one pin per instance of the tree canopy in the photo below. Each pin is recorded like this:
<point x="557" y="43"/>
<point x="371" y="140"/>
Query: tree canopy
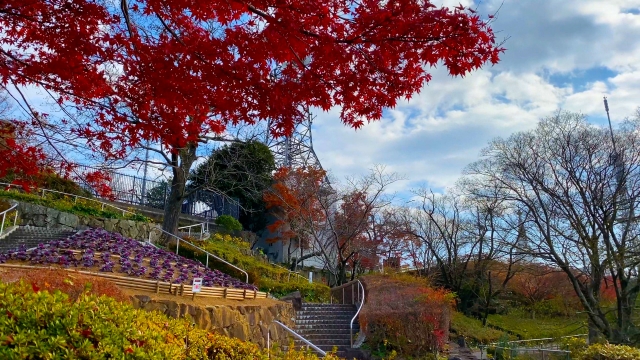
<point x="177" y="73"/>
<point x="242" y="170"/>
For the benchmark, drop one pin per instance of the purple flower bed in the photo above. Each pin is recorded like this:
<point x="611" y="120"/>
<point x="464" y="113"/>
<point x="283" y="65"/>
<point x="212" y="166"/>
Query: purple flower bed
<point x="136" y="259"/>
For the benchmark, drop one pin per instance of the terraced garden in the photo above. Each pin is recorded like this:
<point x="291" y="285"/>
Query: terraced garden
<point x="100" y="250"/>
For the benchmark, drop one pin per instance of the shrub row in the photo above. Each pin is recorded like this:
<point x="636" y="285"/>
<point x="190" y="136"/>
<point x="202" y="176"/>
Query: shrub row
<point x="404" y="314"/>
<point x="41" y="325"/>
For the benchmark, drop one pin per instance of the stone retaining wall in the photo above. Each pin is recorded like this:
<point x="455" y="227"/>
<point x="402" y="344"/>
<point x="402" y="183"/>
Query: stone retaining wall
<point x="41" y="216"/>
<point x="245" y="322"/>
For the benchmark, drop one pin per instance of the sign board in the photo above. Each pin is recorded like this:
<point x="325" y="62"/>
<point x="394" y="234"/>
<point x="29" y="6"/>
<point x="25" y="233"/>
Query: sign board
<point x="197" y="285"/>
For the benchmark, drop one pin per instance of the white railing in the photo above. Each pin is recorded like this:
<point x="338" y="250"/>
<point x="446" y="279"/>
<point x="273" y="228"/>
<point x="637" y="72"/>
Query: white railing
<point x="75" y="198"/>
<point x="361" y="298"/>
<point x="320" y="351"/>
<point x="542" y="346"/>
<point x="357" y="299"/>
<point x="290" y="272"/>
<point x="4" y="216"/>
<point x="189" y="227"/>
<point x="179" y="239"/>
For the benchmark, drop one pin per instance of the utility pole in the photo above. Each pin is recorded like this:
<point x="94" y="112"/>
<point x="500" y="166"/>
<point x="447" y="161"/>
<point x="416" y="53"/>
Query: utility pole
<point x="621" y="191"/>
<point x="144" y="176"/>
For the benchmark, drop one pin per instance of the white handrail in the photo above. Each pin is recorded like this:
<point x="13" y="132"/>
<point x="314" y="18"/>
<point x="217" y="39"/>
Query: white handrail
<point x="290" y="272"/>
<point x="320" y="351"/>
<point x="194" y="225"/>
<point x="76" y="197"/>
<point x="201" y="249"/>
<point x="361" y="298"/>
<point x="4" y="216"/>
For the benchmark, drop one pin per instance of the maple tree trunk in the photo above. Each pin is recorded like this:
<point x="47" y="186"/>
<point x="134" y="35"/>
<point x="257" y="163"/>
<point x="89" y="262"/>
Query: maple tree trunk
<point x="181" y="165"/>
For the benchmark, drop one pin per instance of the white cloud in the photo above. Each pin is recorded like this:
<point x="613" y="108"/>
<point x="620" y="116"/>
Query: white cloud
<point x="432" y="137"/>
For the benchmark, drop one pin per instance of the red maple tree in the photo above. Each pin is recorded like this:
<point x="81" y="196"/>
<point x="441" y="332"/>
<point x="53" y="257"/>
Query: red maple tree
<point x="178" y="73"/>
<point x="295" y="203"/>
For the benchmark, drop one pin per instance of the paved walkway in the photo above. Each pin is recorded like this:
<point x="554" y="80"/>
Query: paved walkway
<point x="465" y="353"/>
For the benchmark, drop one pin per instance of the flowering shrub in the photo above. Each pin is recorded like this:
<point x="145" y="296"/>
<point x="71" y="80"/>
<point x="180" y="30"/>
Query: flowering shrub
<point x="111" y="252"/>
<point x="226" y="238"/>
<point x="405" y="314"/>
<point x="609" y="352"/>
<point x="38" y="324"/>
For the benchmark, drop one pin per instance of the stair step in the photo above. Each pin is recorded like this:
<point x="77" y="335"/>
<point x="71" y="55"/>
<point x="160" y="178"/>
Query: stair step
<point x="306" y="306"/>
<point x="337" y="329"/>
<point x="325" y="320"/>
<point x="326" y="312"/>
<point x="326" y="336"/>
<point x="31" y="236"/>
<point x="325" y="316"/>
<point x="323" y="331"/>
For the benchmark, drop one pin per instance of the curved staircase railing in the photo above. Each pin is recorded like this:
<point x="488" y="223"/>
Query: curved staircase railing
<point x="4" y="213"/>
<point x="317" y="349"/>
<point x="361" y="297"/>
<point x="355" y="296"/>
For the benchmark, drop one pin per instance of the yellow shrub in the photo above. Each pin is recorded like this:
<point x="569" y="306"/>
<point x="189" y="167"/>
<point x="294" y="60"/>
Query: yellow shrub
<point x="38" y="324"/>
<point x="609" y="352"/>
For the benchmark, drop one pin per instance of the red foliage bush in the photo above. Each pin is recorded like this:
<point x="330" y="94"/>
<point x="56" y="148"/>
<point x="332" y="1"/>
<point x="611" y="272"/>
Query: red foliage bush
<point x="73" y="284"/>
<point x="405" y="314"/>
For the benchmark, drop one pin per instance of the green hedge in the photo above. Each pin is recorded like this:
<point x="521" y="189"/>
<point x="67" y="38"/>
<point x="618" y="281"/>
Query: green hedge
<point x="311" y="292"/>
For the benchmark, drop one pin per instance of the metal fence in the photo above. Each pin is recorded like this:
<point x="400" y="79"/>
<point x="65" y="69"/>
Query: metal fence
<point x="531" y="349"/>
<point x="136" y="190"/>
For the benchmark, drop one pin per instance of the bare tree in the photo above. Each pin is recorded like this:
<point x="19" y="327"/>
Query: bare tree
<point x="577" y="191"/>
<point x="469" y="240"/>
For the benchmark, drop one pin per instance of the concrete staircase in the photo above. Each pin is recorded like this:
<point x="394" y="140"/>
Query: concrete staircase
<point x="326" y="325"/>
<point x="31" y="236"/>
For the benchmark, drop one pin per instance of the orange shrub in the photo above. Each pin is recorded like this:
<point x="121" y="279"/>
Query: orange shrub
<point x="405" y="314"/>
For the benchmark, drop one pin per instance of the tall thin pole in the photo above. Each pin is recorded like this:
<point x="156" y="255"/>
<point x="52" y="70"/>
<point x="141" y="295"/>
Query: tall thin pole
<point x="606" y="108"/>
<point x="144" y="176"/>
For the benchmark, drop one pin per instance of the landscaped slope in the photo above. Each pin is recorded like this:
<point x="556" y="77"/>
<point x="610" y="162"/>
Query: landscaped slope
<point x="99" y="250"/>
<point x="39" y="324"/>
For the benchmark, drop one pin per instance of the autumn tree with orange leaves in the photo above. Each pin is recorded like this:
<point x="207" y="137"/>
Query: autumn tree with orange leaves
<point x="178" y="74"/>
<point x="332" y="223"/>
<point x="294" y="200"/>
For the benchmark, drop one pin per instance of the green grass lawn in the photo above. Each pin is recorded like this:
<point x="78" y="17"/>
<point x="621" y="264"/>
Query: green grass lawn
<point x="520" y="324"/>
<point x="473" y="330"/>
<point x="517" y="324"/>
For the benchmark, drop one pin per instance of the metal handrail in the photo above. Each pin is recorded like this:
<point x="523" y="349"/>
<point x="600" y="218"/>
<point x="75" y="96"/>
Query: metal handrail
<point x="76" y="197"/>
<point x="201" y="249"/>
<point x="540" y="339"/>
<point x="194" y="225"/>
<point x="4" y="216"/>
<point x="320" y="351"/>
<point x="360" y="286"/>
<point x="290" y="272"/>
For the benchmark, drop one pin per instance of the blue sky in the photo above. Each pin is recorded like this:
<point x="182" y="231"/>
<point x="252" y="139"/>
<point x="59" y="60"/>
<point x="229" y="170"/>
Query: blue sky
<point x="561" y="54"/>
